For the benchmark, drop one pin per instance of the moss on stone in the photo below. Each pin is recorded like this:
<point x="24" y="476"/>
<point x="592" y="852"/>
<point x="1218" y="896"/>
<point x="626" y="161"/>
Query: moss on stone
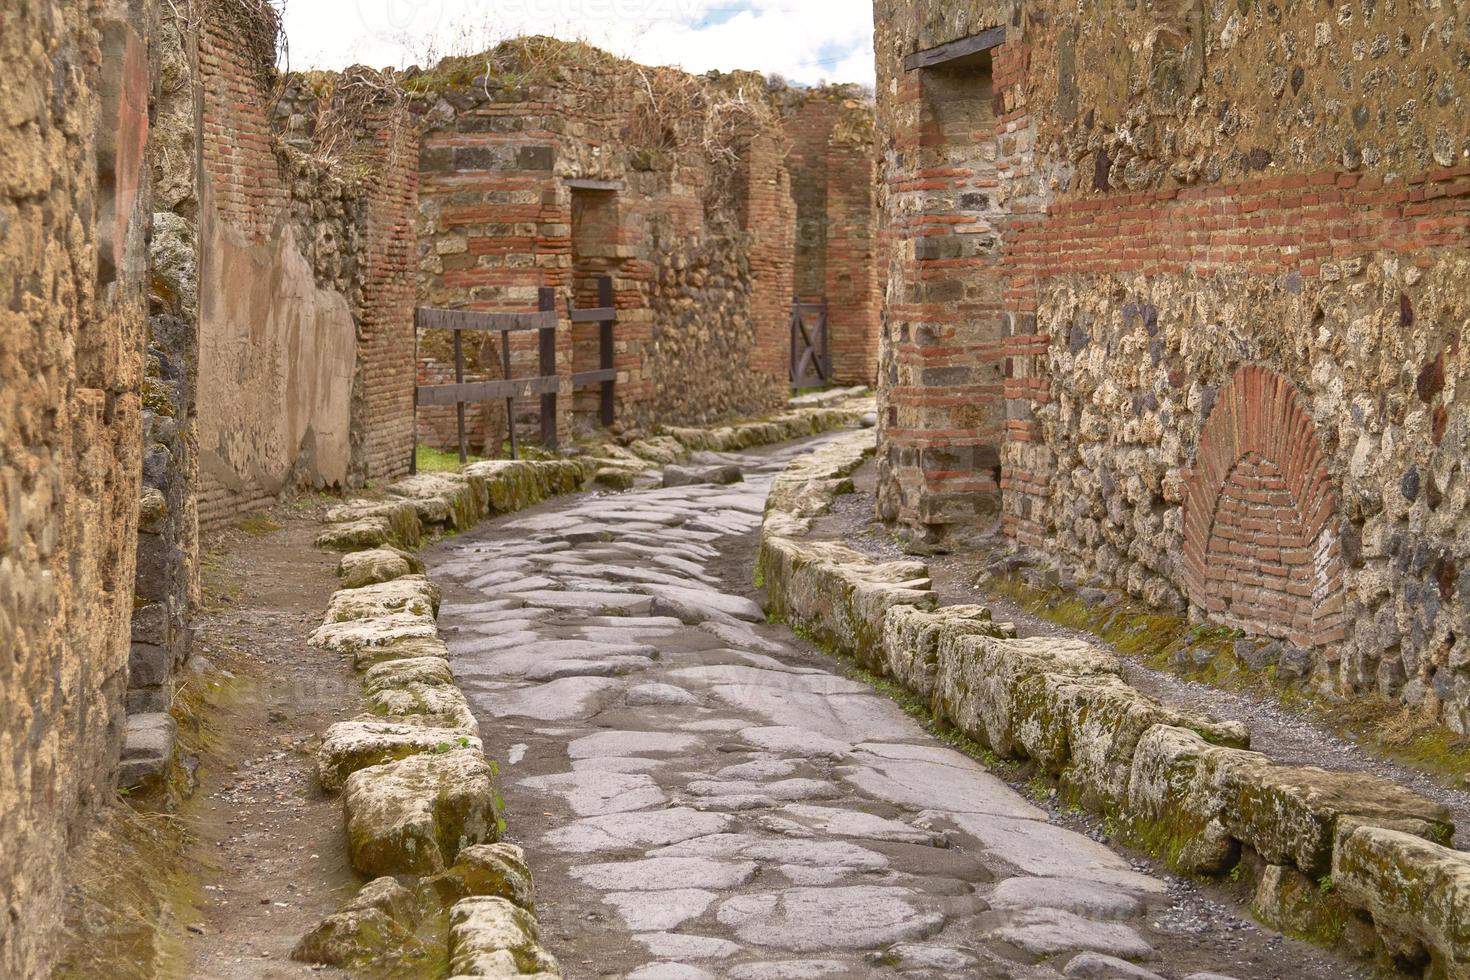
<point x="1384" y="728"/>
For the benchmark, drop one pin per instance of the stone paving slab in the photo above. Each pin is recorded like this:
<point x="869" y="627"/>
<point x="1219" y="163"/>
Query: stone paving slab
<point x="703" y="795"/>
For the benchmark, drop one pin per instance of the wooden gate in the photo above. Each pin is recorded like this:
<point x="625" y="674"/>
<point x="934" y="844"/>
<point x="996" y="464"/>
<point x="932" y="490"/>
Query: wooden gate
<point x="547" y="384"/>
<point x="811" y="352"/>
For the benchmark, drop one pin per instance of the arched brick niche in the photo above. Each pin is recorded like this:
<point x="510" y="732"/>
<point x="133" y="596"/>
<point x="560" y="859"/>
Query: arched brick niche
<point x="1261" y="547"/>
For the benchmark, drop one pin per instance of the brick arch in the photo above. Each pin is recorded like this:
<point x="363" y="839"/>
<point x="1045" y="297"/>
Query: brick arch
<point x="1261" y="546"/>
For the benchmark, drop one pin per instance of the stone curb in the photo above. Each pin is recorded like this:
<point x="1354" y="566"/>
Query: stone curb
<point x="1340" y="858"/>
<point x="428" y="503"/>
<point x="418" y="794"/>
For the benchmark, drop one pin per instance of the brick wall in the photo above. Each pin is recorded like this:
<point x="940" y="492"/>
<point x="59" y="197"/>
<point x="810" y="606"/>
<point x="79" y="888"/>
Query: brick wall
<point x="692" y="226"/>
<point x="307" y="210"/>
<point x="383" y="418"/>
<point x="834" y="185"/>
<point x="74" y="217"/>
<point x="1229" y="336"/>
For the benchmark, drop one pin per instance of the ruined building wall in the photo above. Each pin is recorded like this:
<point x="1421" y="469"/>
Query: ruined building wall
<point x="1231" y="341"/>
<point x="74" y="218"/>
<point x="167" y="584"/>
<point x="957" y="178"/>
<point x="833" y="165"/>
<point x="304" y="311"/>
<point x="354" y="128"/>
<point x="690" y="214"/>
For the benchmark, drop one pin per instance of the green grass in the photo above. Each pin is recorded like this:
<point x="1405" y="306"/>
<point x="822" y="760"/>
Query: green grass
<point x="258" y="526"/>
<point x="431" y="460"/>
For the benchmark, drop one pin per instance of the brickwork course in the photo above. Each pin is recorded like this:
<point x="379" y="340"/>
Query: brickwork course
<point x="1177" y="293"/>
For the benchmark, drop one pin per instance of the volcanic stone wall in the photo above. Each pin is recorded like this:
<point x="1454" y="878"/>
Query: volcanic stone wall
<point x="74" y="217"/>
<point x="305" y="319"/>
<point x="546" y="164"/>
<point x="167" y="585"/>
<point x="833" y="164"/>
<point x="1204" y="339"/>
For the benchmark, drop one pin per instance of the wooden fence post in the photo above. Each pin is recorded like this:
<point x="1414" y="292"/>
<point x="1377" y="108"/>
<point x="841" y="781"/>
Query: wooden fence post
<point x="548" y="369"/>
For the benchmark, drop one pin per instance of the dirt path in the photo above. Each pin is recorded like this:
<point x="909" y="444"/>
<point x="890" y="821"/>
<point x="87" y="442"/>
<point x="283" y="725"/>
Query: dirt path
<point x="271" y="842"/>
<point x="702" y="794"/>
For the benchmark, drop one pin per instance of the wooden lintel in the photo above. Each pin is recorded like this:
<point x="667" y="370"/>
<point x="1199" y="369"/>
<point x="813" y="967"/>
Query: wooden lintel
<point x="595" y="377"/>
<point x="955" y="50"/>
<point x="596" y="315"/>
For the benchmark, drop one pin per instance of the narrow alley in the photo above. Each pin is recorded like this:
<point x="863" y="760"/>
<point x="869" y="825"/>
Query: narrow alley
<point x="703" y="794"/>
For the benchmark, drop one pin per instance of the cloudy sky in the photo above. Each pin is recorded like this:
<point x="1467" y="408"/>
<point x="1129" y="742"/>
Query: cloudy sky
<point x="807" y="41"/>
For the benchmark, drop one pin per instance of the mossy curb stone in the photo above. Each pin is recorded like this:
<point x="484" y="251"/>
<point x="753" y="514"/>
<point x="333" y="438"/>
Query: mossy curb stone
<point x="486" y="870"/>
<point x="351" y="940"/>
<point x="428" y="705"/>
<point x="1416" y="891"/>
<point x="360" y="524"/>
<point x="350" y="746"/>
<point x="384" y="564"/>
<point x="412" y="595"/>
<point x="374" y="928"/>
<point x="414" y="816"/>
<point x="490" y="937"/>
<point x="379" y="635"/>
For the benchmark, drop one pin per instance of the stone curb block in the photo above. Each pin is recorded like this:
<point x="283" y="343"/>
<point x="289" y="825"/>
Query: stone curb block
<point x="490" y="937"/>
<point x="350" y="746"/>
<point x="1183" y="785"/>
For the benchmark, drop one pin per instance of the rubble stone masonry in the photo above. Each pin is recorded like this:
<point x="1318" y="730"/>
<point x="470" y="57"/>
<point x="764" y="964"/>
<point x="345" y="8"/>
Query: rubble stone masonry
<point x="547" y="164"/>
<point x="1178" y="290"/>
<point x="74" y="217"/>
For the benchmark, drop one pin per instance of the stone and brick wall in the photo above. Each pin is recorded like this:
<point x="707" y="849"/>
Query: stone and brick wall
<point x="833" y="164"/>
<point x="691" y="216"/>
<point x="74" y="219"/>
<point x="308" y="193"/>
<point x="1216" y="358"/>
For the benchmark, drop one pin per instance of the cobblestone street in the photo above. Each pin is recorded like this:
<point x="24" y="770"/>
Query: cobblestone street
<point x="703" y="794"/>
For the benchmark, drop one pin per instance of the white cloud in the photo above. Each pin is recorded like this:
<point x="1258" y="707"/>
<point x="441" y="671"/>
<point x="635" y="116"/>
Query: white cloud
<point x="805" y="40"/>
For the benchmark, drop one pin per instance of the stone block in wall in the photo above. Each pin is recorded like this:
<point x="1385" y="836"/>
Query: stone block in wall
<point x="151" y="624"/>
<point x="149" y="665"/>
<point x="148" y="747"/>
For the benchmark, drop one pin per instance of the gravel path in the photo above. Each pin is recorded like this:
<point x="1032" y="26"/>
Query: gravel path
<point x="702" y="794"/>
